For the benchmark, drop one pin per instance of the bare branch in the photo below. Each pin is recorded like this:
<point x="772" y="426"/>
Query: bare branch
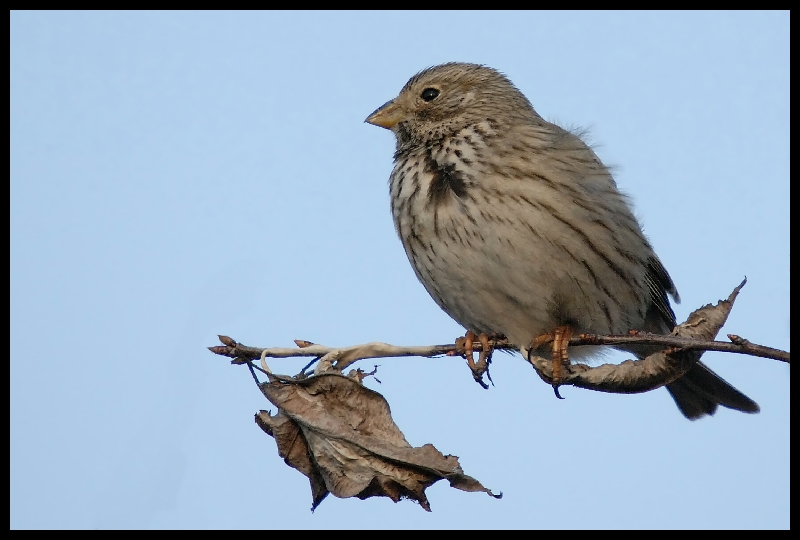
<point x="675" y="353"/>
<point x="737" y="345"/>
<point x="376" y="349"/>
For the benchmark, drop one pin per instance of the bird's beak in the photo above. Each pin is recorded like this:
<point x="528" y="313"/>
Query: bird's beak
<point x="386" y="116"/>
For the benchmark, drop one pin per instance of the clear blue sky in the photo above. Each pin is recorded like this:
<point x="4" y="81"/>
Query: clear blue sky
<point x="180" y="175"/>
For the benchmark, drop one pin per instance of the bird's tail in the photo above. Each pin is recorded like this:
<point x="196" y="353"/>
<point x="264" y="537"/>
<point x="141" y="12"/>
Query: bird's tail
<point x="700" y="391"/>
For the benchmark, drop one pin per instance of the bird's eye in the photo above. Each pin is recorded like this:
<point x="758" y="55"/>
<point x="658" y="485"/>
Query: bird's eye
<point x="429" y="94"/>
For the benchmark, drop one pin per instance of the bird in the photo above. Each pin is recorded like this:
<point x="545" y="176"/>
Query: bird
<point x="515" y="227"/>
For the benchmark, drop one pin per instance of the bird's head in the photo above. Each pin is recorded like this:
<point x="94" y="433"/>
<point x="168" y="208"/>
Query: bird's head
<point x="444" y="99"/>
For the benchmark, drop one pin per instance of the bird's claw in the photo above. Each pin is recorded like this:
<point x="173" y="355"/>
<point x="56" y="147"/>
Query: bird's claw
<point x="466" y="345"/>
<point x="560" y="339"/>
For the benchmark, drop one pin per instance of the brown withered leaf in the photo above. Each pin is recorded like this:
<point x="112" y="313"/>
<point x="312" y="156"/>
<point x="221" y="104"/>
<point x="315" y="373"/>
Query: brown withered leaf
<point x="658" y="369"/>
<point x="341" y="435"/>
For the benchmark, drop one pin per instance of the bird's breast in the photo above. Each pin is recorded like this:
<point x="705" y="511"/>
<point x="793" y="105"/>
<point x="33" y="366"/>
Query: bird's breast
<point x="509" y="251"/>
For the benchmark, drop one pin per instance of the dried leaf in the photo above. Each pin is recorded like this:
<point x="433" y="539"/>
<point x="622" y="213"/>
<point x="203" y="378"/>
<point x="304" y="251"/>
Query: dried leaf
<point x="659" y="369"/>
<point x="341" y="435"/>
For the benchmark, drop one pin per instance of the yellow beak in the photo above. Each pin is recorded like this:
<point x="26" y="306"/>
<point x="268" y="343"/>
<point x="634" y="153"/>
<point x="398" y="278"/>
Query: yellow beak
<point x="387" y="116"/>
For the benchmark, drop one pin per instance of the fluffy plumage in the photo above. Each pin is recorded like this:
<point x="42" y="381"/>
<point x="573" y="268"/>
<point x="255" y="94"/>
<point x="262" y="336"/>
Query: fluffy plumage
<point x="515" y="226"/>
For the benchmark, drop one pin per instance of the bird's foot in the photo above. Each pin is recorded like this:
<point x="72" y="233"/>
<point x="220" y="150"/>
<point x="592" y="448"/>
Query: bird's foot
<point x="465" y="347"/>
<point x="560" y="341"/>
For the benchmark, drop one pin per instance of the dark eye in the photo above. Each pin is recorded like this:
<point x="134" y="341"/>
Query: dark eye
<point x="429" y="94"/>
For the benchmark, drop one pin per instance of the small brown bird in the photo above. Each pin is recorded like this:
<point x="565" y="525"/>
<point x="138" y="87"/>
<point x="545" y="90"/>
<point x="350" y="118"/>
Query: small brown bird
<point x="515" y="226"/>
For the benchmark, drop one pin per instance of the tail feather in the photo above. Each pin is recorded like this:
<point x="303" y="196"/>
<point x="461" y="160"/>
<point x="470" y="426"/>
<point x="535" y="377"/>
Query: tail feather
<point x="700" y="391"/>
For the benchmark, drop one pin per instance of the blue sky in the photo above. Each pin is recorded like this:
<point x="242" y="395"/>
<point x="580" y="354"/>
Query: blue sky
<point x="180" y="175"/>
